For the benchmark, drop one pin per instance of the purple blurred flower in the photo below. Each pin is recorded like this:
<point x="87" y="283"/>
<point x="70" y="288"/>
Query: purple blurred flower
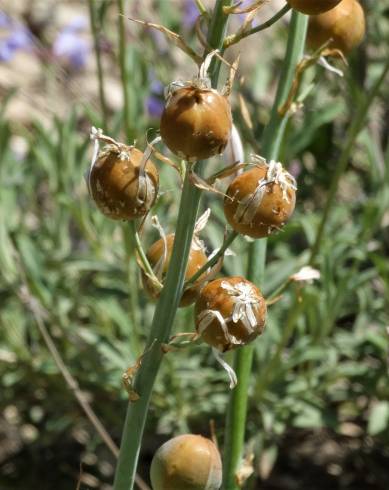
<point x="244" y="4"/>
<point x="17" y="38"/>
<point x="5" y="20"/>
<point x="155" y="102"/>
<point x="191" y="12"/>
<point x="295" y="168"/>
<point x="71" y="46"/>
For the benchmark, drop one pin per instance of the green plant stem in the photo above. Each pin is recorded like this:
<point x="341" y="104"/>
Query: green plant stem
<point x="100" y="74"/>
<point x="124" y="70"/>
<point x="168" y="302"/>
<point x="211" y="262"/>
<point x="235" y="38"/>
<point x="271" y="142"/>
<point x="355" y="128"/>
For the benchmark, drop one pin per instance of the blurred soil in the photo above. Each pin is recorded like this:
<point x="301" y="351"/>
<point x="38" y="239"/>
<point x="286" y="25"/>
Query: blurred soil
<point x="307" y="460"/>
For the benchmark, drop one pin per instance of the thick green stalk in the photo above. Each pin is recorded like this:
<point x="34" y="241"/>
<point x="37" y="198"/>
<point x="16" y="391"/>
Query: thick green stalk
<point x="100" y="74"/>
<point x="167" y="305"/>
<point x="271" y="142"/>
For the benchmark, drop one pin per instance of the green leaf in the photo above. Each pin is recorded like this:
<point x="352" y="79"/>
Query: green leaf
<point x="378" y="418"/>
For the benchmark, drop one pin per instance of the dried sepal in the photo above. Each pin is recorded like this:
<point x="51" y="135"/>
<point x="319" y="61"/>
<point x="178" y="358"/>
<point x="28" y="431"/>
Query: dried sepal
<point x="176" y="343"/>
<point x="245" y="470"/>
<point x="172" y="36"/>
<point x="321" y="54"/>
<point x="306" y="274"/>
<point x="229" y="370"/>
<point x="234" y="153"/>
<point x="226" y="90"/>
<point x="252" y="7"/>
<point x="202" y="184"/>
<point x="129" y="375"/>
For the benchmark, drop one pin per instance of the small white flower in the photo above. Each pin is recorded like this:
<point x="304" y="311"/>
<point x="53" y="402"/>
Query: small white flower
<point x="306" y="274"/>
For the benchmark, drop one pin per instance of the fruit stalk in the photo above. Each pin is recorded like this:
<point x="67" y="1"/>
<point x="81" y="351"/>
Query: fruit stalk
<point x="271" y="142"/>
<point x="168" y="302"/>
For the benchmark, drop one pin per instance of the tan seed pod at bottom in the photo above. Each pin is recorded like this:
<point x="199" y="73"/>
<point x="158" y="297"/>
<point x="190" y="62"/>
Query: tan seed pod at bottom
<point x="186" y="462"/>
<point x="261" y="200"/>
<point x="229" y="313"/>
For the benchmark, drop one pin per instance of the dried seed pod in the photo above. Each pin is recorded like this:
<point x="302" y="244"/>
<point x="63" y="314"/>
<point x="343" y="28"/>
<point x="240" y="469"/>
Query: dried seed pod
<point x="344" y="25"/>
<point x="313" y="7"/>
<point x="196" y="123"/>
<point x="261" y="200"/>
<point x="159" y="255"/>
<point x="122" y="181"/>
<point x="186" y="462"/>
<point x="230" y="312"/>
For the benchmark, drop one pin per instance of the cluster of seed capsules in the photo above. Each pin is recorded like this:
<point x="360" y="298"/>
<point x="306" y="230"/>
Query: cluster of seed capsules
<point x="229" y="311"/>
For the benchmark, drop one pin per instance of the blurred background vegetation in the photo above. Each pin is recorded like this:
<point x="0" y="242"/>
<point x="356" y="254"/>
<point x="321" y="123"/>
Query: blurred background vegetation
<point x="319" y="403"/>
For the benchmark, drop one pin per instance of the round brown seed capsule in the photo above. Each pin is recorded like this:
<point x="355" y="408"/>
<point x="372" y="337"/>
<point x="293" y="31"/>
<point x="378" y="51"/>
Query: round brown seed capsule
<point x="344" y="25"/>
<point x="155" y="254"/>
<point x="186" y="462"/>
<point x="196" y="122"/>
<point x="313" y="7"/>
<point x="121" y="188"/>
<point x="261" y="200"/>
<point x="230" y="312"/>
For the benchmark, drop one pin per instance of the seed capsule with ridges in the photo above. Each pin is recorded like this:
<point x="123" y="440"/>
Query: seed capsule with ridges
<point x="121" y="188"/>
<point x="344" y="25"/>
<point x="196" y="123"/>
<point x="230" y="312"/>
<point x="186" y="462"/>
<point x="261" y="200"/>
<point x="313" y="7"/>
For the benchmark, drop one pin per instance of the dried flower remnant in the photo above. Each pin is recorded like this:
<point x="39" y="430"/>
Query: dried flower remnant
<point x="229" y="313"/>
<point x="122" y="180"/>
<point x="261" y="200"/>
<point x="306" y="274"/>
